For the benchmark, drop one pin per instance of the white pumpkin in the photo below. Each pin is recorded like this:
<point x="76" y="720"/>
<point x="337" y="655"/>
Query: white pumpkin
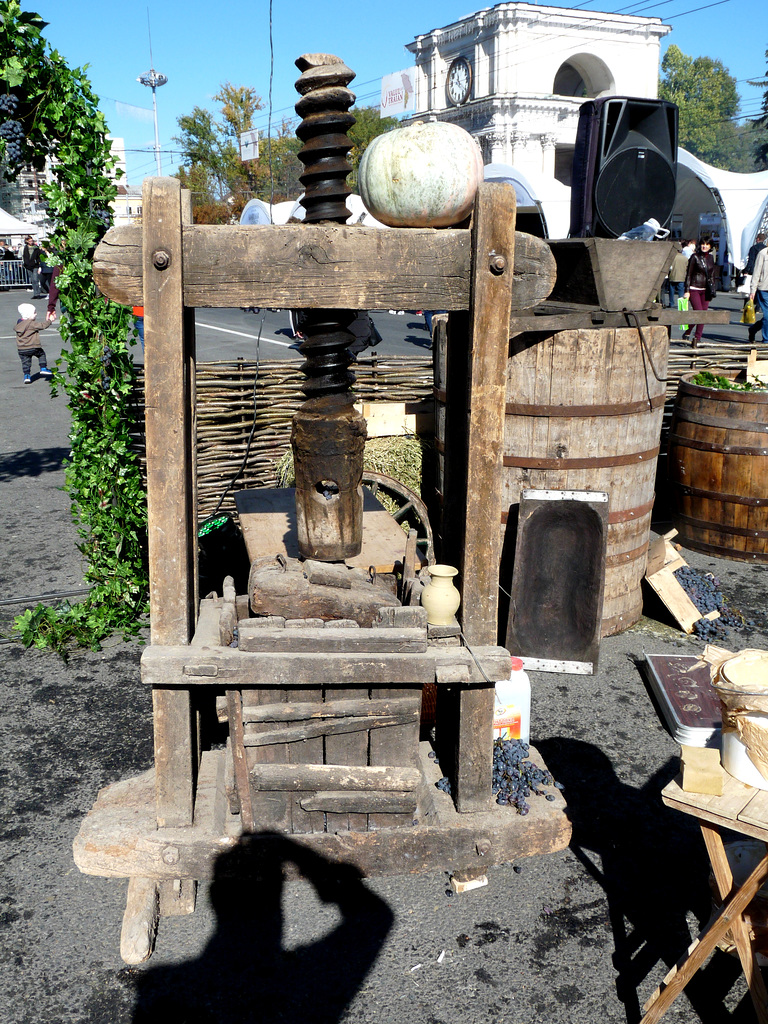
<point x="424" y="175"/>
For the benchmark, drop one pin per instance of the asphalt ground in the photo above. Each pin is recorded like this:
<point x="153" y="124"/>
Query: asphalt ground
<point x="577" y="936"/>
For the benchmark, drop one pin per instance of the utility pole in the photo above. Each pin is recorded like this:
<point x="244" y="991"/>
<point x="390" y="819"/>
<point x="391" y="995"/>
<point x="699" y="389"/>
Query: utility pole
<point x="153" y="79"/>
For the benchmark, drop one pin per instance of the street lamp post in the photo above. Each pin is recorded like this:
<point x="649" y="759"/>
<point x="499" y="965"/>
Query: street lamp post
<point x="154" y="79"/>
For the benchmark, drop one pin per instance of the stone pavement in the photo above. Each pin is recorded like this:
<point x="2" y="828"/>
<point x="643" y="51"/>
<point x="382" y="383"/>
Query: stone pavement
<point x="577" y="936"/>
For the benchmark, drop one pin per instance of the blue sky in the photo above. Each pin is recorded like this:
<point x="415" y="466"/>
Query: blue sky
<point x="199" y="45"/>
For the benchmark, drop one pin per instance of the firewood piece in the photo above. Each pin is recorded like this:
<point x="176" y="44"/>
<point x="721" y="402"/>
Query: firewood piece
<point x="280" y="586"/>
<point x="361" y="803"/>
<point x="321" y="641"/>
<point x="328" y="727"/>
<point x="281" y="777"/>
<point x="342" y="624"/>
<point x="262" y="622"/>
<point x="325" y="574"/>
<point x="402" y="617"/>
<point x="305" y="624"/>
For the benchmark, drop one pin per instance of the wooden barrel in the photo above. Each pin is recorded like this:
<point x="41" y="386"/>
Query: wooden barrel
<point x="584" y="412"/>
<point x="718" y="471"/>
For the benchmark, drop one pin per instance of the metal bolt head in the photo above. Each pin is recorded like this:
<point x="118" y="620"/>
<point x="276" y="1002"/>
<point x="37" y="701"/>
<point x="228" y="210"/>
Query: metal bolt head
<point x="161" y="259"/>
<point x="170" y="855"/>
<point x="498" y="264"/>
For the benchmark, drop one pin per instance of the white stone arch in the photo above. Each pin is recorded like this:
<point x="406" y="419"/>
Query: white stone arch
<point x="585" y="76"/>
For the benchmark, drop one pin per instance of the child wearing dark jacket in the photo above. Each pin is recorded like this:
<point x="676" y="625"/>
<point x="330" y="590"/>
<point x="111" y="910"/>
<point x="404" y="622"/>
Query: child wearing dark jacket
<point x="28" y="341"/>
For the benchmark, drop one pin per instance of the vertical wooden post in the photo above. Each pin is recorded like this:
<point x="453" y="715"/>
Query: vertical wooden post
<point x="478" y="518"/>
<point x="169" y="379"/>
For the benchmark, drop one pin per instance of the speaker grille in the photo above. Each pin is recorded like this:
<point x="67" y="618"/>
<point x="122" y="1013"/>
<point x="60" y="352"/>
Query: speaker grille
<point x="633" y="185"/>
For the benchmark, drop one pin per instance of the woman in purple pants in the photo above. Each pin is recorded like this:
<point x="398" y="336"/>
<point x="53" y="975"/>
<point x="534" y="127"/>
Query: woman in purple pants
<point x="700" y="283"/>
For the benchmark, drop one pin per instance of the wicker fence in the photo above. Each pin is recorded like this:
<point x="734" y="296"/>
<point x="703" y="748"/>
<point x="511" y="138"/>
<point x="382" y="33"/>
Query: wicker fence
<point x="244" y="413"/>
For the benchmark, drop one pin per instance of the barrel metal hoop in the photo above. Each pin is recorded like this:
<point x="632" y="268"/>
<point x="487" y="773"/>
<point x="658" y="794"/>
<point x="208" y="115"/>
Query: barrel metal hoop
<point x="721" y="422"/>
<point x="572" y="411"/>
<point x="731" y="499"/>
<point x="623" y="557"/>
<point x="738" y="531"/>
<point x="717" y="549"/>
<point x="710" y="446"/>
<point x="625" y="515"/>
<point x="598" y="462"/>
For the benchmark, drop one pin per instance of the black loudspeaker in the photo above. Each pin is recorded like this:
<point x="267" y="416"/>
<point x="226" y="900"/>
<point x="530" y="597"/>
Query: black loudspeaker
<point x="624" y="165"/>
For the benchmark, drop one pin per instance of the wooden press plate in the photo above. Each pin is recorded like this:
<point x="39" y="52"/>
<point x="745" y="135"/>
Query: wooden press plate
<point x="268" y="521"/>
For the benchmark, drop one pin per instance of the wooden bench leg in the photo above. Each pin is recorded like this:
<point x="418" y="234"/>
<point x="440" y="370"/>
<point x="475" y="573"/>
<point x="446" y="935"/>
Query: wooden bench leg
<point x="137" y="938"/>
<point x="697" y="953"/>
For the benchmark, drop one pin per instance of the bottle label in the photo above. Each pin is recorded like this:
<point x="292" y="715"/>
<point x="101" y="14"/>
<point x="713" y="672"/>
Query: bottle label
<point x="506" y="722"/>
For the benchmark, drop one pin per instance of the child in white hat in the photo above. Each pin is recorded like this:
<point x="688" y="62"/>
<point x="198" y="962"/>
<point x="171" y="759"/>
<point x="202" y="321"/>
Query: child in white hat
<point x="28" y="341"/>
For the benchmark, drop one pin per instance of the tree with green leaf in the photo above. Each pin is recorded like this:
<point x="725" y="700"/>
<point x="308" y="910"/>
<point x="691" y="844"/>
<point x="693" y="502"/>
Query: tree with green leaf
<point x="760" y="125"/>
<point x="708" y="103"/>
<point x="368" y="124"/>
<point x="49" y="110"/>
<point x="212" y="169"/>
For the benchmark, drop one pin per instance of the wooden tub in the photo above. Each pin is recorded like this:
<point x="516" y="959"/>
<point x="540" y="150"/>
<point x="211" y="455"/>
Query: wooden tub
<point x="718" y="471"/>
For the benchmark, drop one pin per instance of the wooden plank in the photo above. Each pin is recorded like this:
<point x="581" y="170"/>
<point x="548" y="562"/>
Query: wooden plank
<point x="283" y="777"/>
<point x="268" y="521"/>
<point x="328" y="727"/>
<point x="242" y="781"/>
<point x="480" y="537"/>
<point x="362" y="803"/>
<point x="137" y="938"/>
<point x="170" y="472"/>
<point x="234" y="669"/>
<point x="335" y="708"/>
<point x="675" y="598"/>
<point x="396" y="745"/>
<point x="339" y="640"/>
<point x="321" y="267"/>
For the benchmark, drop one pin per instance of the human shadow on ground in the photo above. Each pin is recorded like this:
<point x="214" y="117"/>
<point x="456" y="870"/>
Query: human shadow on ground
<point x="245" y="974"/>
<point x="31" y="462"/>
<point x="652" y="865"/>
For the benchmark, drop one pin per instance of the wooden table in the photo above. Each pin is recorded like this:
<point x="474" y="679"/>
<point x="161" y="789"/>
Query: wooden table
<point x="742" y="809"/>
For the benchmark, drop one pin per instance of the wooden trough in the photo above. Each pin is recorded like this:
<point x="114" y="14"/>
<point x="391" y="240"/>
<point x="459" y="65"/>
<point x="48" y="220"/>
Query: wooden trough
<point x="323" y="737"/>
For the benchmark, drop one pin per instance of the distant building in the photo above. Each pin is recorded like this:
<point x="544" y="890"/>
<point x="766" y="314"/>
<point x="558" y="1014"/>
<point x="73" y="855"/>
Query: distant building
<point x="514" y="75"/>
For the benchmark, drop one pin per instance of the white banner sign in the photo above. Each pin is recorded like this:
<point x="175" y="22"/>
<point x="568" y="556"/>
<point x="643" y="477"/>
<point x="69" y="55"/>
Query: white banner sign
<point x="398" y="92"/>
<point x="249" y="145"/>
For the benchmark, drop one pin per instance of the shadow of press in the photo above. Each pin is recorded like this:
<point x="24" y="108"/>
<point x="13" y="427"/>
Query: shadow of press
<point x="31" y="462"/>
<point x="245" y="974"/>
<point x="652" y="865"/>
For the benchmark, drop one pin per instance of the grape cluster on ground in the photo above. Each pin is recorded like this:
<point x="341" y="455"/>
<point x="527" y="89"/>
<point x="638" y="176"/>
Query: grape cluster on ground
<point x="515" y="777"/>
<point x="704" y="590"/>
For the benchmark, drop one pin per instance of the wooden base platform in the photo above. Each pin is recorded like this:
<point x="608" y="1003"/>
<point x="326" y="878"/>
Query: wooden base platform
<point x="119" y="838"/>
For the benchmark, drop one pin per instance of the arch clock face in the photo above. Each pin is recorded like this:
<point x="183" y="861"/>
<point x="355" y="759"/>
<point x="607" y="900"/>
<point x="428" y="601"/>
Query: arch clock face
<point x="459" y="81"/>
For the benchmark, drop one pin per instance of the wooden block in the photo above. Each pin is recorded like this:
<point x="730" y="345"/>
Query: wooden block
<point x="324" y="777"/>
<point x="458" y="885"/>
<point x="337" y="640"/>
<point x="680" y="606"/>
<point x="345" y="802"/>
<point x="702" y="771"/>
<point x="393" y="419"/>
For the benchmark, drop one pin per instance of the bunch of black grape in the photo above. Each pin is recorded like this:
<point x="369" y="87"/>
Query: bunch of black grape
<point x="704" y="590"/>
<point x="10" y="130"/>
<point x="515" y="777"/>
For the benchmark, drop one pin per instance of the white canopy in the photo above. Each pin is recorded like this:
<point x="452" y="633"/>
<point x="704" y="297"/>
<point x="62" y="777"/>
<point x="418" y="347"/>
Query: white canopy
<point x="744" y="198"/>
<point x="12" y="226"/>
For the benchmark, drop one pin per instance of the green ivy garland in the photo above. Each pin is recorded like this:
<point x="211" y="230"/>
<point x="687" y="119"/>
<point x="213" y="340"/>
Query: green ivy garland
<point x="54" y="114"/>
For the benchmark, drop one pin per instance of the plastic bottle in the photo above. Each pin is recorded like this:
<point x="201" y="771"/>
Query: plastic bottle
<point x="512" y="711"/>
<point x="645" y="232"/>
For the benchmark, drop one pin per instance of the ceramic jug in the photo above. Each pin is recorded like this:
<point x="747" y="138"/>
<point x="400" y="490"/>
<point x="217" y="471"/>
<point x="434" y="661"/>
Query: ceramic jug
<point x="440" y="597"/>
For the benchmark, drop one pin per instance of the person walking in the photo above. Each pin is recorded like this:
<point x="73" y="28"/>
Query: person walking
<point x="676" y="279"/>
<point x="28" y="341"/>
<point x="30" y="257"/>
<point x="700" y="284"/>
<point x="759" y="293"/>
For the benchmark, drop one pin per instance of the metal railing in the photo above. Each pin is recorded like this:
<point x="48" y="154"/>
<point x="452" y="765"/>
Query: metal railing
<point x="13" y="274"/>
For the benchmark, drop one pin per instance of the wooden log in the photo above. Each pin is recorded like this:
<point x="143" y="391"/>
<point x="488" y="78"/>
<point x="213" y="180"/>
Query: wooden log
<point x="362" y="803"/>
<point x="307" y="710"/>
<point x="317" y="777"/>
<point x="322" y="641"/>
<point x="321" y="267"/>
<point x="137" y="937"/>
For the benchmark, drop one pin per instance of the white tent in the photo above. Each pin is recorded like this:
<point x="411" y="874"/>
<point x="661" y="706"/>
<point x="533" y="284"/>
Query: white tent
<point x="743" y="197"/>
<point x="548" y="198"/>
<point x="12" y="226"/>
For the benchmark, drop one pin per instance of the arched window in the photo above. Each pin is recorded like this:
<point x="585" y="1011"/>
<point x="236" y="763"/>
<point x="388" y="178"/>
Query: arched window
<point x="583" y="76"/>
